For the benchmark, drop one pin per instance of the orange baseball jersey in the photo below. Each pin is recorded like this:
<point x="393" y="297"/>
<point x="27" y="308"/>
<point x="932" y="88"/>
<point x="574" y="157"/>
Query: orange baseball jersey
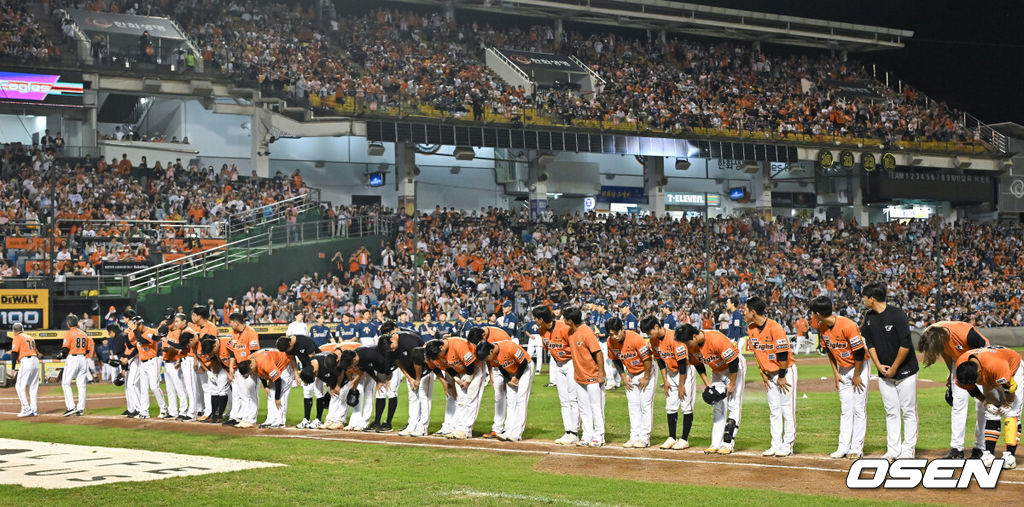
<point x="438" y="364"/>
<point x="495" y="334"/>
<point x="147" y="350"/>
<point x="244" y="344"/>
<point x="672" y="352"/>
<point x="331" y="347"/>
<point x="998" y="364"/>
<point x="172" y="353"/>
<point x="717" y="352"/>
<point x="129" y="344"/>
<point x="556" y="342"/>
<point x="583" y="343"/>
<point x="632" y="352"/>
<point x="957" y="344"/>
<point x="767" y="342"/>
<point x="510" y="355"/>
<point x="208" y="329"/>
<point x="24" y="345"/>
<point x="269" y="364"/>
<point x="460" y="355"/>
<point x="842" y="339"/>
<point x="77" y="342"/>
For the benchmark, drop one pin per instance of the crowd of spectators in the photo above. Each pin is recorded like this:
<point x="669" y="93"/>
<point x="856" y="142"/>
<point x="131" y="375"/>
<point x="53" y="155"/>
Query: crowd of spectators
<point x="386" y="58"/>
<point x="22" y="38"/>
<point x="469" y="264"/>
<point x="118" y="210"/>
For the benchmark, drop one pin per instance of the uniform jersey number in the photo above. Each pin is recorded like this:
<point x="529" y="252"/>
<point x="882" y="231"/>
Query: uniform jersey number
<point x="80" y="342"/>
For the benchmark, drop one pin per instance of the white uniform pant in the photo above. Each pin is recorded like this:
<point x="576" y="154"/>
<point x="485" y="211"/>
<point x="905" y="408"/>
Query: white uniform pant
<point x="563" y="376"/>
<point x="314" y="389"/>
<point x="673" y="403"/>
<point x="337" y="409"/>
<point x="108" y="372"/>
<point x="190" y="383"/>
<point x="640" y="404"/>
<point x="450" y="406"/>
<point x="782" y="411"/>
<point x="150" y="381"/>
<point x="958" y="417"/>
<point x="277" y="416"/>
<point x="419" y="404"/>
<point x="899" y="397"/>
<point x="363" y="412"/>
<point x="27" y="384"/>
<point x="245" y="401"/>
<point x="76" y="369"/>
<point x="500" y="392"/>
<point x="217" y="382"/>
<point x="1014" y="409"/>
<point x="390" y="389"/>
<point x="177" y="400"/>
<point x="591" y="406"/>
<point x="467" y="402"/>
<point x="613" y="380"/>
<point x="203" y="381"/>
<point x="132" y="384"/>
<point x="729" y="408"/>
<point x="517" y="400"/>
<point x="535" y="347"/>
<point x="853" y="421"/>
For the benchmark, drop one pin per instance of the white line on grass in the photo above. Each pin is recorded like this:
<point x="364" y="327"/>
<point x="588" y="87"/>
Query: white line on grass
<point x="527" y="498"/>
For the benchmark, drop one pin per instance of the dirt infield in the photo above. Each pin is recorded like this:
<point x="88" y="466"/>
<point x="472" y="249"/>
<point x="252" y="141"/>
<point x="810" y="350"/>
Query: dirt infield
<point x="807" y="474"/>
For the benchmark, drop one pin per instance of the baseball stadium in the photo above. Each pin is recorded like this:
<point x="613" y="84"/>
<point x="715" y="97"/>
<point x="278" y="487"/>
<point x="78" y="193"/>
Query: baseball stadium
<point x="510" y="252"/>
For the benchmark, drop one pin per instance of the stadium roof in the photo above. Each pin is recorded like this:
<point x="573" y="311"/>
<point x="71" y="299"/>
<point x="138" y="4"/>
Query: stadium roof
<point x="701" y="20"/>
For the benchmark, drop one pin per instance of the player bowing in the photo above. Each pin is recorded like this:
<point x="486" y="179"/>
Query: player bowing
<point x="994" y="375"/>
<point x="950" y="340"/>
<point x="768" y="341"/>
<point x="725" y="390"/>
<point x="467" y="374"/>
<point x="589" y="377"/>
<point x="514" y="365"/>
<point x="678" y="376"/>
<point x="397" y="346"/>
<point x="850" y="368"/>
<point x="555" y="337"/>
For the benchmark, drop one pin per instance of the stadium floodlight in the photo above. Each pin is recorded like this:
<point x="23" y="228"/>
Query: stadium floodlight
<point x="682" y="164"/>
<point x="375" y="149"/>
<point x="464" y="153"/>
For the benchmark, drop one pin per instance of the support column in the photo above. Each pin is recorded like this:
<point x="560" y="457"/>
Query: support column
<point x="654" y="184"/>
<point x="860" y="212"/>
<point x="449" y="10"/>
<point x="537" y="184"/>
<point x="662" y="37"/>
<point x="558" y="33"/>
<point x="406" y="173"/>
<point x="259" y="143"/>
<point x="761" y="190"/>
<point x="88" y="129"/>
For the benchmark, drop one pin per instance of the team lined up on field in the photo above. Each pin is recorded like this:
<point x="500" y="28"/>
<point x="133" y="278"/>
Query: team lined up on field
<point x="354" y="382"/>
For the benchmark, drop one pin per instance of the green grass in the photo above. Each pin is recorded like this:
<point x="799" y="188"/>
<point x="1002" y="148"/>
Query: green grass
<point x="338" y="472"/>
<point x="335" y="473"/>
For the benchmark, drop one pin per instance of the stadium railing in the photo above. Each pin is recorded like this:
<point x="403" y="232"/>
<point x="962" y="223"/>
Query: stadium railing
<point x="270" y="214"/>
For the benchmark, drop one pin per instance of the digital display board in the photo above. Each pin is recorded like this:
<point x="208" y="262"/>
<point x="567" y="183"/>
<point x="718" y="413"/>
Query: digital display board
<point x="52" y="89"/>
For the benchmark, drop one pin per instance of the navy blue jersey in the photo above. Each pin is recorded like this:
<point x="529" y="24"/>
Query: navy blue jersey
<point x="365" y="330"/>
<point x="532" y="328"/>
<point x="737" y="329"/>
<point x="320" y="335"/>
<point x="346" y="332"/>
<point x="427" y="331"/>
<point x="670" y="322"/>
<point x="630" y="323"/>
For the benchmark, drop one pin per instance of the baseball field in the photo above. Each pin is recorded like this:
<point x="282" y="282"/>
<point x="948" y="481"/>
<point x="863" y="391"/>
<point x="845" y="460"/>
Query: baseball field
<point x="350" y="468"/>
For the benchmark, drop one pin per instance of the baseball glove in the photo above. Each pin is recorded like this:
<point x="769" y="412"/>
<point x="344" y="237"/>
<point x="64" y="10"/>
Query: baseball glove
<point x="119" y="381"/>
<point x="712" y="396"/>
<point x="949" y="396"/>
<point x="352" y="399"/>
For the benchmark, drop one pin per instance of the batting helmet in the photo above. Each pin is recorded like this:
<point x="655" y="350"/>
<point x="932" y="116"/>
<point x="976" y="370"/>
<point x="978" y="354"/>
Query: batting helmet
<point x="352" y="399"/>
<point x="712" y="396"/>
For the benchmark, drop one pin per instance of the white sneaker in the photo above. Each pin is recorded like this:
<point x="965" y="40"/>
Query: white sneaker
<point x="24" y="413"/>
<point x="303" y="425"/>
<point x="641" y="445"/>
<point x="782" y="453"/>
<point x="162" y="415"/>
<point x="595" y="443"/>
<point x="669" y="442"/>
<point x="417" y="433"/>
<point x="987" y="458"/>
<point x="680" y="445"/>
<point x="405" y="432"/>
<point x="629" y="445"/>
<point x="314" y="424"/>
<point x="906" y="455"/>
<point x="1009" y="461"/>
<point x="838" y="454"/>
<point x="889" y="457"/>
<point x="770" y="452"/>
<point x="245" y="424"/>
<point x="459" y="435"/>
<point x="567" y="439"/>
<point x="854" y="455"/>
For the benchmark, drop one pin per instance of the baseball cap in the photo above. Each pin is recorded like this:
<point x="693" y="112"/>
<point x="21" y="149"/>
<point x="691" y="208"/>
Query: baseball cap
<point x="668" y="304"/>
<point x="507" y="304"/>
<point x="624" y="304"/>
<point x="464" y="313"/>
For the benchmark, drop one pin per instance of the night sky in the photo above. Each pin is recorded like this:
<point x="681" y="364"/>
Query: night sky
<point x="969" y="54"/>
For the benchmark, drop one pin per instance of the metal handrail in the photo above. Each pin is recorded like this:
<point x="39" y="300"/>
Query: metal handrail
<point x="509" y="62"/>
<point x="239" y="221"/>
<point x="577" y="61"/>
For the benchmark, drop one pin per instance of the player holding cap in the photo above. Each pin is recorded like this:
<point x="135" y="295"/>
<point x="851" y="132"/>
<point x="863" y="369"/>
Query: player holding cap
<point x="555" y="336"/>
<point x="725" y="390"/>
<point x="467" y="373"/>
<point x="215" y="354"/>
<point x="399" y="349"/>
<point x="994" y="374"/>
<point x="177" y="400"/>
<point x="245" y="400"/>
<point x="494" y="335"/>
<point x="850" y="368"/>
<point x="77" y="345"/>
<point x="589" y="377"/>
<point x="201" y="328"/>
<point x="680" y="380"/>
<point x="778" y="372"/>
<point x="25" y="364"/>
<point x="886" y="333"/>
<point x="276" y="371"/>
<point x="444" y="373"/>
<point x="366" y="368"/>
<point x="513" y="363"/>
<point x="302" y="347"/>
<point x="950" y="340"/>
<point x="631" y="357"/>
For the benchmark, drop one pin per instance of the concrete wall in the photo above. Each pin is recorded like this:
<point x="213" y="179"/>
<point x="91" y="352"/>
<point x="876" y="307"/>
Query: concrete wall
<point x="19" y="129"/>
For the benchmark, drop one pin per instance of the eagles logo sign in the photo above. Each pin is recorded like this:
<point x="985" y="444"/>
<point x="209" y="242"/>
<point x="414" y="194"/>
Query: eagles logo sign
<point x="825" y="159"/>
<point x="846" y="160"/>
<point x="889" y="162"/>
<point x="867" y="161"/>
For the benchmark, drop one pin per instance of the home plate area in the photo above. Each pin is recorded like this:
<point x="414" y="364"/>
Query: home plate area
<point x="61" y="466"/>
